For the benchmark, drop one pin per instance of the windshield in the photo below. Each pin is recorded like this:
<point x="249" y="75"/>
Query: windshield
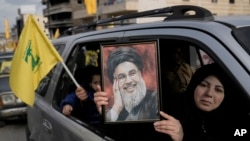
<point x="5" y="65"/>
<point x="242" y="35"/>
<point x="4" y="84"/>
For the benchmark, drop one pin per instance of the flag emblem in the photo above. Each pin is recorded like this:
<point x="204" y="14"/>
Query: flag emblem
<point x="34" y="57"/>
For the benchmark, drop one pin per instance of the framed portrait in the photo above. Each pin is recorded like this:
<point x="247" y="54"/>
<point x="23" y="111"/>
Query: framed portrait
<point x="130" y="78"/>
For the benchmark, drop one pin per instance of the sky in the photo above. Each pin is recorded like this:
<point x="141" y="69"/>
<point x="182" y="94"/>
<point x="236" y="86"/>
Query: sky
<point x="9" y="10"/>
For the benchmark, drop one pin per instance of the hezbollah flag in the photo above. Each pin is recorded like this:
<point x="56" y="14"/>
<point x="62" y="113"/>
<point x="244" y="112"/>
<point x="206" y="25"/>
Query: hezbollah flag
<point x="7" y="33"/>
<point x="57" y="33"/>
<point x="90" y="6"/>
<point x="34" y="57"/>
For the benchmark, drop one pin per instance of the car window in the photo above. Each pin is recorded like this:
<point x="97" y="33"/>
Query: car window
<point x="44" y="83"/>
<point x="60" y="47"/>
<point x="177" y="59"/>
<point x="242" y="34"/>
<point x="204" y="58"/>
<point x="82" y="56"/>
<point x="5" y="66"/>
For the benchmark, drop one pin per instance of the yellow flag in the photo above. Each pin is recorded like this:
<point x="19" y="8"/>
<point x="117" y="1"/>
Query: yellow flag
<point x="34" y="57"/>
<point x="57" y="33"/>
<point x="90" y="6"/>
<point x="7" y="33"/>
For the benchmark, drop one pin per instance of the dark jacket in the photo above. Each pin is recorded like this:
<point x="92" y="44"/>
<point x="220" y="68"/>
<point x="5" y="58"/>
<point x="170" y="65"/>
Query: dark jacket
<point x="84" y="110"/>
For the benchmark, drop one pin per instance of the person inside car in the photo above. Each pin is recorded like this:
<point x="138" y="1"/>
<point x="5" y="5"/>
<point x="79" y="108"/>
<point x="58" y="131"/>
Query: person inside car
<point x="206" y="110"/>
<point x="177" y="72"/>
<point x="83" y="99"/>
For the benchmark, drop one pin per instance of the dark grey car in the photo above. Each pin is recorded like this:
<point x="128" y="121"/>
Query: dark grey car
<point x="10" y="106"/>
<point x="202" y="38"/>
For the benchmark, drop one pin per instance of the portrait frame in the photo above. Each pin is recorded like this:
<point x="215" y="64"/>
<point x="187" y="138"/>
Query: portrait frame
<point x="145" y="79"/>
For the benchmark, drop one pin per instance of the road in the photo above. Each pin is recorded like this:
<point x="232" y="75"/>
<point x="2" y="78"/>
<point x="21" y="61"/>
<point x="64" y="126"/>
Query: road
<point x="14" y="130"/>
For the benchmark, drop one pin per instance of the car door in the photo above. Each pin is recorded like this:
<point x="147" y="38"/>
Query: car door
<point x="51" y="124"/>
<point x="46" y="121"/>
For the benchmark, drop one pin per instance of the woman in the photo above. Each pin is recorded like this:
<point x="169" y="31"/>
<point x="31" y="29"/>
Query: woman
<point x="206" y="110"/>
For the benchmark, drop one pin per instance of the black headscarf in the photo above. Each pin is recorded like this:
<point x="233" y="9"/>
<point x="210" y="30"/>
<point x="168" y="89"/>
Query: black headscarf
<point x="202" y="125"/>
<point x="201" y="74"/>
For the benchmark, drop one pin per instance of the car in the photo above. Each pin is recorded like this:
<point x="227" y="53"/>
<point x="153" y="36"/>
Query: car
<point x="11" y="107"/>
<point x="200" y="36"/>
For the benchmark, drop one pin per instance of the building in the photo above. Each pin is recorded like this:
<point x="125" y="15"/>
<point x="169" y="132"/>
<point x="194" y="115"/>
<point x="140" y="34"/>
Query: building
<point x="65" y="14"/>
<point x="23" y="13"/>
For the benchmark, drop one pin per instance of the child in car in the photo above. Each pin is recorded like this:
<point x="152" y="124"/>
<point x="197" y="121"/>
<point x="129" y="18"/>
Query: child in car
<point x="81" y="102"/>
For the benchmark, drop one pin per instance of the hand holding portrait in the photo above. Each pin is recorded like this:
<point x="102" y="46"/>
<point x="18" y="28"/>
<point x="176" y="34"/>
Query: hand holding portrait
<point x="100" y="99"/>
<point x="170" y="126"/>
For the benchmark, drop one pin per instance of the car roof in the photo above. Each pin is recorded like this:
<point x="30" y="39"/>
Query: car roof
<point x="172" y="17"/>
<point x="235" y="20"/>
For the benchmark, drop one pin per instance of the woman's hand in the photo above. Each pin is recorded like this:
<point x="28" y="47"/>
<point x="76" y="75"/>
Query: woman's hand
<point x="170" y="126"/>
<point x="100" y="98"/>
<point x="81" y="93"/>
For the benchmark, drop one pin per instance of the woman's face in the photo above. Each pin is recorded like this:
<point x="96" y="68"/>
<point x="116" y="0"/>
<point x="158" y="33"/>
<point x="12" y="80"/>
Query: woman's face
<point x="209" y="94"/>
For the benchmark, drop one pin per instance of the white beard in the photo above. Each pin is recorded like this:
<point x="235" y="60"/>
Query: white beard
<point x="131" y="100"/>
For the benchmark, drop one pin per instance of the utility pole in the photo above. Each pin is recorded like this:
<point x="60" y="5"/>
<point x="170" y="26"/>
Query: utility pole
<point x="97" y="10"/>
